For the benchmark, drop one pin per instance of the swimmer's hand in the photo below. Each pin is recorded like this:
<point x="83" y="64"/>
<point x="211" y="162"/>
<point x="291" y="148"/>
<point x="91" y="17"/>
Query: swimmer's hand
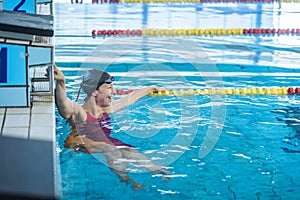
<point x="58" y="75"/>
<point x="157" y="89"/>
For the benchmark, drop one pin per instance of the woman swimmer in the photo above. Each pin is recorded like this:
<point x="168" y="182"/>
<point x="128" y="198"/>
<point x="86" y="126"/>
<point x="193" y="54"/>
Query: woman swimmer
<point x="91" y="123"/>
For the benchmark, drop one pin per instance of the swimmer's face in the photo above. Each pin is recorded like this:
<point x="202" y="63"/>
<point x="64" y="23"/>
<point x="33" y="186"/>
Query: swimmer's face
<point x="105" y="94"/>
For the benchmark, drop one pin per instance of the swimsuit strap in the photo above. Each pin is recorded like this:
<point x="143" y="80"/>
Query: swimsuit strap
<point x="92" y="118"/>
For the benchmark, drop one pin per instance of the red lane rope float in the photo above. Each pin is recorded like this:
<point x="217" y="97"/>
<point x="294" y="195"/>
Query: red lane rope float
<point x="198" y="32"/>
<point x="116" y="32"/>
<point x="76" y="1"/>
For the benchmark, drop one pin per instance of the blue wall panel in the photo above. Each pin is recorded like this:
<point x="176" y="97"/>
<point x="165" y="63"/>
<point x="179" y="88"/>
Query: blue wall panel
<point x="14" y="90"/>
<point x="13" y="97"/>
<point x="16" y="65"/>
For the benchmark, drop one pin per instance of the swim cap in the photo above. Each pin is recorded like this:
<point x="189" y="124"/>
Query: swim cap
<point x="93" y="79"/>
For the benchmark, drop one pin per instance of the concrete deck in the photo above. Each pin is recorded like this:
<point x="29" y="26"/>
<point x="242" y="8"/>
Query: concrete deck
<point x="29" y="163"/>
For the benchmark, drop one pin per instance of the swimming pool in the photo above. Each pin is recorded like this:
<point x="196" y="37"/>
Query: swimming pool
<point x="256" y="155"/>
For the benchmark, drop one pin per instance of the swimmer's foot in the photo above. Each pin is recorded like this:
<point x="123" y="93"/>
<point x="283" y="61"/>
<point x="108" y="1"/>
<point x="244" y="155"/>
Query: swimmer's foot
<point x="125" y="180"/>
<point x="137" y="186"/>
<point x="164" y="173"/>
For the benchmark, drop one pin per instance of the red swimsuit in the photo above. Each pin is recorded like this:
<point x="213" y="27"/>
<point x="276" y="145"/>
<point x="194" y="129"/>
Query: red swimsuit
<point x="98" y="130"/>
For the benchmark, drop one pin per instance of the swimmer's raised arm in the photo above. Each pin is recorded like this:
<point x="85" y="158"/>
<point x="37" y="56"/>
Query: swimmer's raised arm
<point x="67" y="108"/>
<point x="133" y="97"/>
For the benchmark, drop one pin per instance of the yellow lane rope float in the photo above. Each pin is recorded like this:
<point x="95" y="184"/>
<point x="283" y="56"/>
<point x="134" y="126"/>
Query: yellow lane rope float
<point x="224" y="91"/>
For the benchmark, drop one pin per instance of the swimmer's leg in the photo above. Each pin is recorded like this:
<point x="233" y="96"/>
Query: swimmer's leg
<point x="144" y="161"/>
<point x="118" y="165"/>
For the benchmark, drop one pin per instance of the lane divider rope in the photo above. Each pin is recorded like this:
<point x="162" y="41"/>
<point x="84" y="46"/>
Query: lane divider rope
<point x="197" y="32"/>
<point x="185" y="1"/>
<point x="211" y="1"/>
<point x="223" y="91"/>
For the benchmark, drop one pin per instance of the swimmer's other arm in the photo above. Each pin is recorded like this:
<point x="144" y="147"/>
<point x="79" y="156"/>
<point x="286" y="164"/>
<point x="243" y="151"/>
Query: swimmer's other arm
<point x="133" y="97"/>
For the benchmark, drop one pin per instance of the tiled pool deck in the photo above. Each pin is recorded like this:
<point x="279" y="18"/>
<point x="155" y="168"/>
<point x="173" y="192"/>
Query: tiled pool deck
<point x="28" y="154"/>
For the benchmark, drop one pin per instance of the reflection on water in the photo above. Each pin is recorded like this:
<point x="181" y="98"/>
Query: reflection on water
<point x="291" y="116"/>
<point x="74" y="24"/>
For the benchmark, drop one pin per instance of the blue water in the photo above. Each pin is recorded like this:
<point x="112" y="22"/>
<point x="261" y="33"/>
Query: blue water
<point x="256" y="155"/>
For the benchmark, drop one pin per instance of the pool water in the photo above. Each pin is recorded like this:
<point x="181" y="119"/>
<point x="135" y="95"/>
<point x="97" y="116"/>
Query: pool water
<point x="256" y="155"/>
<point x="254" y="139"/>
